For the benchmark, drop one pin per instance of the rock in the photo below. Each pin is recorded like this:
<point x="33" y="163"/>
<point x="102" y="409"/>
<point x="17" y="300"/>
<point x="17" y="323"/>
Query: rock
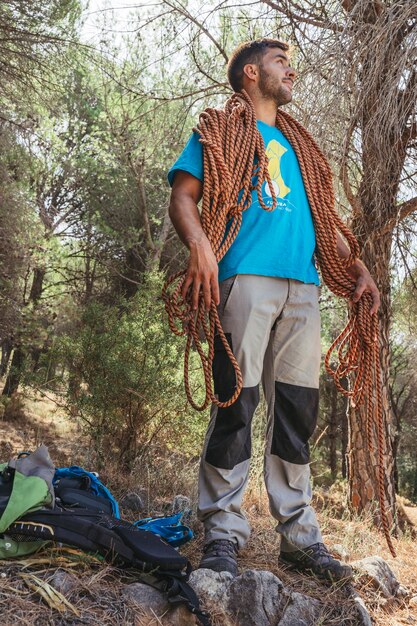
<point x="413" y="602"/>
<point x="180" y="503"/>
<point x="155" y="603"/>
<point x="132" y="501"/>
<point x="211" y="587"/>
<point x="364" y="619"/>
<point x="300" y="610"/>
<point x="402" y="592"/>
<point x="180" y="616"/>
<point x="340" y="552"/>
<point x="63" y="582"/>
<point x="148" y="597"/>
<point x="256" y="598"/>
<point x="380" y="573"/>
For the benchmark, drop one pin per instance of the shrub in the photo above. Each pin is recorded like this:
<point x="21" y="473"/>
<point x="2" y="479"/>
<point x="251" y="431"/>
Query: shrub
<point x="125" y="377"/>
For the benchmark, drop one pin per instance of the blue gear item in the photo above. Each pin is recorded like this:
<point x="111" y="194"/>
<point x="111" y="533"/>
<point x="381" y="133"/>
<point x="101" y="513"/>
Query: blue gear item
<point x="169" y="528"/>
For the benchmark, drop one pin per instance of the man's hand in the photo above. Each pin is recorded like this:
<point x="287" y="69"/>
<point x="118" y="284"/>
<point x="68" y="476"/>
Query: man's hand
<point x="360" y="273"/>
<point x="364" y="282"/>
<point x="202" y="273"/>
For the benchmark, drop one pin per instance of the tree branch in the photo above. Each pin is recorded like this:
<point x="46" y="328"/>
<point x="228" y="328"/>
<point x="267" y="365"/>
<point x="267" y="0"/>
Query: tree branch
<point x="183" y="11"/>
<point x="403" y="210"/>
<point x="406" y="208"/>
<point x="303" y="18"/>
<point x="353" y="199"/>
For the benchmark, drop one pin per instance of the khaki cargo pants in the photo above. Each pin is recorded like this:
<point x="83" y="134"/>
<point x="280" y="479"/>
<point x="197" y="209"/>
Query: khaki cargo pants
<point x="273" y="327"/>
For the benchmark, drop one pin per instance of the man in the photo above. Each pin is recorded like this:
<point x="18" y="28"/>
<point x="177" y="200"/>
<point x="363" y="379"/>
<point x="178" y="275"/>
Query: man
<point x="266" y="289"/>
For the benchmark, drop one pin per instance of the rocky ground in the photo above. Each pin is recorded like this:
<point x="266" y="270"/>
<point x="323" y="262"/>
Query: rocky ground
<point x="65" y="586"/>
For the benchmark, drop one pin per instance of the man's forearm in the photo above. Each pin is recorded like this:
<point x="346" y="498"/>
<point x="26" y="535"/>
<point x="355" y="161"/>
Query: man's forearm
<point x="185" y="218"/>
<point x="343" y="251"/>
<point x="360" y="273"/>
<point x="202" y="271"/>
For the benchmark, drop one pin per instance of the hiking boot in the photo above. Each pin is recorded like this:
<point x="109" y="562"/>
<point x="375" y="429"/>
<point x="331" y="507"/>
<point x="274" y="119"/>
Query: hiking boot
<point x="317" y="560"/>
<point x="220" y="555"/>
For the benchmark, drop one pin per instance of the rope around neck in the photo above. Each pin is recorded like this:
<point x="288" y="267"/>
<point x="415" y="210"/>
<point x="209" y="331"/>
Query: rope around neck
<point x="234" y="152"/>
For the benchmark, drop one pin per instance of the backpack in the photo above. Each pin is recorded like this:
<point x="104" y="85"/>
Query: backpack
<point x="76" y="488"/>
<point x="25" y="485"/>
<point x="33" y="523"/>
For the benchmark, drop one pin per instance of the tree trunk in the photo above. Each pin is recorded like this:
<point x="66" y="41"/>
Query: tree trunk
<point x="395" y="445"/>
<point x="13" y="377"/>
<point x="332" y="431"/>
<point x="155" y="259"/>
<point x="37" y="285"/>
<point x="129" y="282"/>
<point x="345" y="438"/>
<point x="6" y="352"/>
<point x="362" y="462"/>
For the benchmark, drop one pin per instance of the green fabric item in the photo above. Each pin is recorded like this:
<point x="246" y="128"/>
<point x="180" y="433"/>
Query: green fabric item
<point x="28" y="494"/>
<point x="10" y="549"/>
<point x="37" y="463"/>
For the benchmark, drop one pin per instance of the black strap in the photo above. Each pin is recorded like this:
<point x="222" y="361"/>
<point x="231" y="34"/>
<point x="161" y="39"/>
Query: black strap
<point x="180" y="592"/>
<point x="149" y="547"/>
<point x="92" y="531"/>
<point x="81" y="498"/>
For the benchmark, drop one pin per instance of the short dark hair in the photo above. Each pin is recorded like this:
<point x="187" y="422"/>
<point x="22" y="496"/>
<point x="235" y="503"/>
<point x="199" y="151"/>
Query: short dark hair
<point x="249" y="52"/>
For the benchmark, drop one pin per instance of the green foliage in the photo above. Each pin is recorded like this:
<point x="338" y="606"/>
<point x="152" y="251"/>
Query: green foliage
<point x="125" y="378"/>
<point x="407" y="464"/>
<point x="403" y="386"/>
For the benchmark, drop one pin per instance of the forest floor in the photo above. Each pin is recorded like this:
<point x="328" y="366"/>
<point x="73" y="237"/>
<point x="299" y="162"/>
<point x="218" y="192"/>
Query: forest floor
<point x="97" y="601"/>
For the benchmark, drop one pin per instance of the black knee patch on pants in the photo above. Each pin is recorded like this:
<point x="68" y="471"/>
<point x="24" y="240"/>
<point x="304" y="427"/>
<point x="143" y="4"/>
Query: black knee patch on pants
<point x="230" y="441"/>
<point x="224" y="376"/>
<point x="295" y="419"/>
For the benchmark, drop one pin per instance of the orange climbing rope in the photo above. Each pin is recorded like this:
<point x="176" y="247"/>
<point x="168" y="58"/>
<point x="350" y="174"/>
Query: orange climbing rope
<point x="234" y="153"/>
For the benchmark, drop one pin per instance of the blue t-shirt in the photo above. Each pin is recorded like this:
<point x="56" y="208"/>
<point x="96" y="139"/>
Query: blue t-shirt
<point x="269" y="243"/>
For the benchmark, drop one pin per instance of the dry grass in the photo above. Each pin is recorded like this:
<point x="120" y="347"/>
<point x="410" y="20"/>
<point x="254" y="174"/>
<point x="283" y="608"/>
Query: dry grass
<point x="360" y="539"/>
<point x="95" y="596"/>
<point x="97" y="592"/>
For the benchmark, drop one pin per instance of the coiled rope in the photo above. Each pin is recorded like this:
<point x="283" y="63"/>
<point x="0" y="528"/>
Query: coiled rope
<point x="234" y="152"/>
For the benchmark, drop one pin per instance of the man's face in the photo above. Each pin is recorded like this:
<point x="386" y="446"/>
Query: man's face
<point x="276" y="76"/>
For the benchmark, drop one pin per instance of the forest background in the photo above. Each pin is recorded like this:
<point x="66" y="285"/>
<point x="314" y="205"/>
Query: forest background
<point x="96" y="102"/>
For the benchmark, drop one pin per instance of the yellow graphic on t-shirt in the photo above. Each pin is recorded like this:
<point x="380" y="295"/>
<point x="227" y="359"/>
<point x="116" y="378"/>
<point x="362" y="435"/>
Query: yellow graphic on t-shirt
<point x="274" y="152"/>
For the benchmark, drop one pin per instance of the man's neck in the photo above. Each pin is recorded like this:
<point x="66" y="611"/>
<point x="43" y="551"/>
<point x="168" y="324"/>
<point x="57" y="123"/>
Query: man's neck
<point x="266" y="111"/>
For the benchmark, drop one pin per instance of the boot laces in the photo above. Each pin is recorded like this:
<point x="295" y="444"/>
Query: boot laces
<point x="221" y="547"/>
<point x="319" y="552"/>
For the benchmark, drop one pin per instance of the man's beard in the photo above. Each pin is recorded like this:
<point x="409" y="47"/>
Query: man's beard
<point x="269" y="89"/>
